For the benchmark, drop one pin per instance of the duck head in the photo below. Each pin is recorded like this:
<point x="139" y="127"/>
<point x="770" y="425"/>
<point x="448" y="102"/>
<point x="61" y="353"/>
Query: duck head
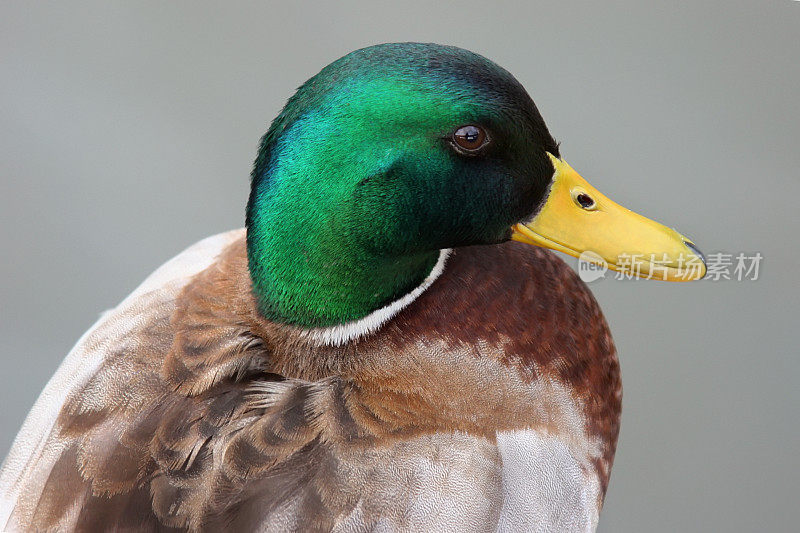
<point x="396" y="152"/>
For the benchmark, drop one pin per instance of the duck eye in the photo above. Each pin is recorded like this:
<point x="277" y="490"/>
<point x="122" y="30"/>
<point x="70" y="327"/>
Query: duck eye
<point x="470" y="138"/>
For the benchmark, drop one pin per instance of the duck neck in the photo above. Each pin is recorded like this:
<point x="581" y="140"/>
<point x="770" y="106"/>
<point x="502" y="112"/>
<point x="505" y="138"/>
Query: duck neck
<point x="316" y="277"/>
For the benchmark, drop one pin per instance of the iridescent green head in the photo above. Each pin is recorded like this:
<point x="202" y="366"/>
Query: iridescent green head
<point x="378" y="162"/>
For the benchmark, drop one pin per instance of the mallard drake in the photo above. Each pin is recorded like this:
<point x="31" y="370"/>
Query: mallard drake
<point x="380" y="349"/>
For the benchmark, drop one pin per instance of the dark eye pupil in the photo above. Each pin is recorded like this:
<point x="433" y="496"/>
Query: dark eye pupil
<point x="469" y="137"/>
<point x="471" y="134"/>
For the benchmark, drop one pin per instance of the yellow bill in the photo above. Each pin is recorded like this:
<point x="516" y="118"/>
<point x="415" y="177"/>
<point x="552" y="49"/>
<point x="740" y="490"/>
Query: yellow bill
<point x="579" y="220"/>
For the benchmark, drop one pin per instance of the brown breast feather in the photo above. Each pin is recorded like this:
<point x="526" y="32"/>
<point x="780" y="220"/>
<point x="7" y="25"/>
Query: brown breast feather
<point x="210" y="408"/>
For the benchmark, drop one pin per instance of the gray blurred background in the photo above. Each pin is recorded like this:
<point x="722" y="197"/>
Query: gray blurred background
<point x="129" y="129"/>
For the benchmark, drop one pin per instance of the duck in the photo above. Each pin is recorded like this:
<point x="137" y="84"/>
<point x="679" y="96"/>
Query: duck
<point x="389" y="344"/>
